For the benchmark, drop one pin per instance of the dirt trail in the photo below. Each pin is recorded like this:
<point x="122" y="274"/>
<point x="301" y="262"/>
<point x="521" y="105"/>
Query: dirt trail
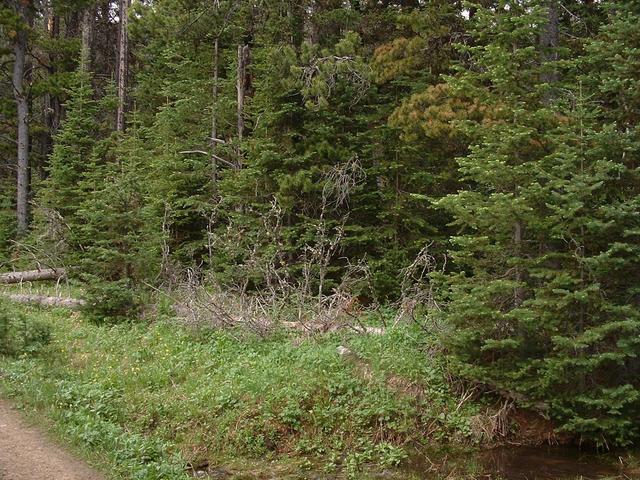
<point x="27" y="454"/>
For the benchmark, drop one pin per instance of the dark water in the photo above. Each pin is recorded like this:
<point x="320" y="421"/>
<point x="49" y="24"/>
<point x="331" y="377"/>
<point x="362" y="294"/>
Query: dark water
<point x="520" y="463"/>
<point x="545" y="463"/>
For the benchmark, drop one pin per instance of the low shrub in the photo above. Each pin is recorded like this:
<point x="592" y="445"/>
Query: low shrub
<point x="20" y="334"/>
<point x="110" y="302"/>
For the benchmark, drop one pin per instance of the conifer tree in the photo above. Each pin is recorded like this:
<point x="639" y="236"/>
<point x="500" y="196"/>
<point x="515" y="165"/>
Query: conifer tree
<point x="73" y="148"/>
<point x="539" y="309"/>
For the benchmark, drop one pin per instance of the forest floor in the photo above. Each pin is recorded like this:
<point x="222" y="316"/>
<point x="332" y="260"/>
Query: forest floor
<point x="157" y="400"/>
<point x="27" y="454"/>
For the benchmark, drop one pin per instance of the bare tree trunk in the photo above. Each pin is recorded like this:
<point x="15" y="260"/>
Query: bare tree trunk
<point x="72" y="24"/>
<point x="50" y="103"/>
<point x="243" y="60"/>
<point x="85" y="49"/>
<point x="310" y="26"/>
<point x="54" y="101"/>
<point x="22" y="104"/>
<point x="214" y="119"/>
<point x="240" y="89"/>
<point x="123" y="60"/>
<point x="46" y="142"/>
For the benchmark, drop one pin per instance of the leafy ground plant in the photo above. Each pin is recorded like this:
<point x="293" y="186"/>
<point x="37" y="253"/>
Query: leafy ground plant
<point x="155" y="399"/>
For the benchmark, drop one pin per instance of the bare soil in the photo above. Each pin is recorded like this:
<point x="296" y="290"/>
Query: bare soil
<point x="27" y="454"/>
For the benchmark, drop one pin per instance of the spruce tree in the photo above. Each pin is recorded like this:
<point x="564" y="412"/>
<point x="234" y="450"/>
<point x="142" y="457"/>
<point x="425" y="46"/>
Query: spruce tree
<point x="73" y="148"/>
<point x="543" y="307"/>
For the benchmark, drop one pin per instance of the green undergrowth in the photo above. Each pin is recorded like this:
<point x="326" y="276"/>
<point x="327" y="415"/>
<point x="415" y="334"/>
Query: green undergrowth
<point x="156" y="398"/>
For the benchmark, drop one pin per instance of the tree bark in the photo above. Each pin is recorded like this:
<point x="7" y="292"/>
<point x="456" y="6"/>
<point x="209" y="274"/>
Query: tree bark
<point x="50" y="103"/>
<point x="21" y="97"/>
<point x="549" y="40"/>
<point x="72" y="303"/>
<point x="86" y="32"/>
<point x="310" y="27"/>
<point x="214" y="117"/>
<point x="518" y="293"/>
<point x="33" y="275"/>
<point x="243" y="61"/>
<point x="72" y="24"/>
<point x="123" y="57"/>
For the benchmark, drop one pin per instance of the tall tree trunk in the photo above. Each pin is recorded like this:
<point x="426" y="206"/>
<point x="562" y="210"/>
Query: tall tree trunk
<point x="310" y="26"/>
<point x="549" y="39"/>
<point x="22" y="104"/>
<point x="243" y="53"/>
<point x="123" y="57"/>
<point x="86" y="33"/>
<point x="214" y="119"/>
<point x="46" y="140"/>
<point x="243" y="60"/>
<point x="518" y="292"/>
<point x="51" y="104"/>
<point x="45" y="134"/>
<point x="72" y="24"/>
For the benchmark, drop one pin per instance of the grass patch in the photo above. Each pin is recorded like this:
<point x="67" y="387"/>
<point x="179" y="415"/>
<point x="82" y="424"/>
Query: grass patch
<point x="156" y="398"/>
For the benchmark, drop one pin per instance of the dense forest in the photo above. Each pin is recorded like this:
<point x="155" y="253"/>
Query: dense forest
<point x="471" y="168"/>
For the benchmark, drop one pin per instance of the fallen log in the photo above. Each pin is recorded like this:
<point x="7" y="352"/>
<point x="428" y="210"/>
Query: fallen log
<point x="33" y="275"/>
<point x="73" y="303"/>
<point x="316" y="328"/>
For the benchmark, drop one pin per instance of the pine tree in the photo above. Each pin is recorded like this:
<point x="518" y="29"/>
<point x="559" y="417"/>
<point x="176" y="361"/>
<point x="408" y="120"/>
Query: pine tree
<point x="119" y="250"/>
<point x="539" y="309"/>
<point x="73" y="148"/>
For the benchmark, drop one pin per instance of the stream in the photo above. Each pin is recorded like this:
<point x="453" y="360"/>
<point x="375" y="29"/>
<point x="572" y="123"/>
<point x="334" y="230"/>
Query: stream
<point x="523" y="463"/>
<point x="501" y="463"/>
<point x="546" y="463"/>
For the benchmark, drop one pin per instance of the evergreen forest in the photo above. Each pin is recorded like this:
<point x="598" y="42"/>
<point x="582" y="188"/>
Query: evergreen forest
<point x="332" y="231"/>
